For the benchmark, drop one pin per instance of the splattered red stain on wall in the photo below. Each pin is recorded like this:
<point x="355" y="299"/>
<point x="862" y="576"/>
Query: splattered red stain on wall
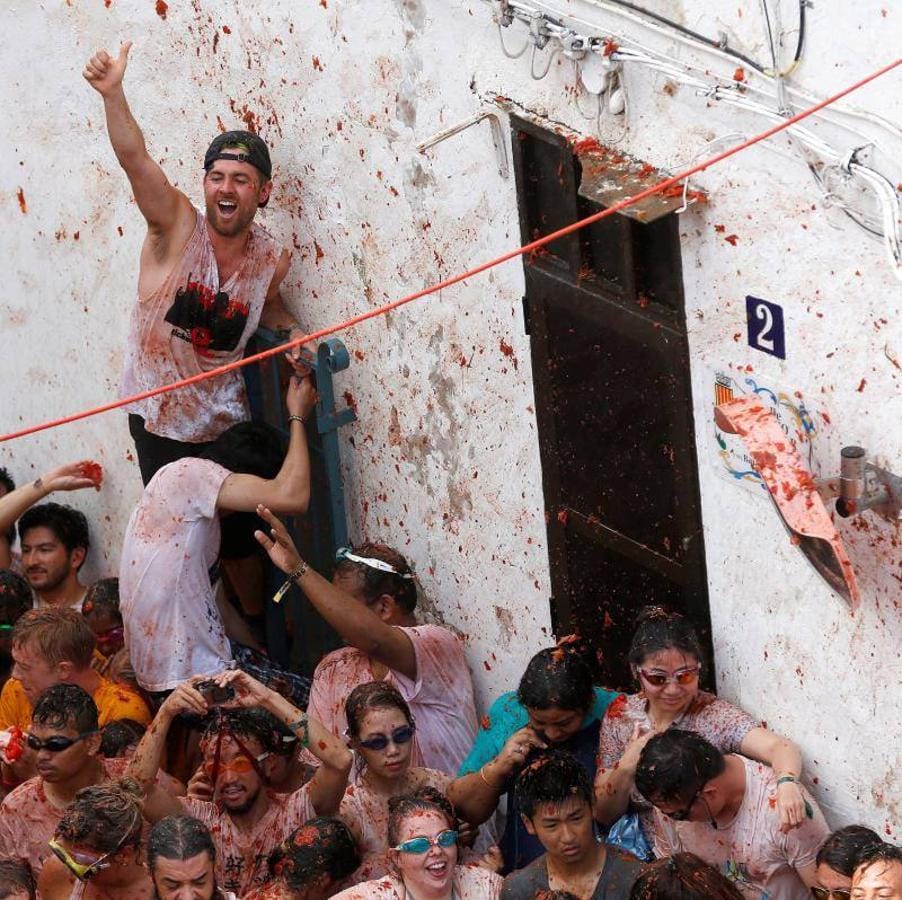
<point x="20" y="194"/>
<point x="162" y="8"/>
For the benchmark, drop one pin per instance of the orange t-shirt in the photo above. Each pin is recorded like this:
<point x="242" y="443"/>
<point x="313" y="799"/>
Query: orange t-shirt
<point x="114" y="701"/>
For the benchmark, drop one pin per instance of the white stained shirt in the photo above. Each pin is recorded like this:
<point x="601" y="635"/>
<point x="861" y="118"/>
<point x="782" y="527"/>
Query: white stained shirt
<point x="173" y="629"/>
<point x="751" y="850"/>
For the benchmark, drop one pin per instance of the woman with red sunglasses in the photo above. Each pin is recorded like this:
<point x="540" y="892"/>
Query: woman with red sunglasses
<point x="667" y="661"/>
<point x="97" y="852"/>
<point x="380" y="732"/>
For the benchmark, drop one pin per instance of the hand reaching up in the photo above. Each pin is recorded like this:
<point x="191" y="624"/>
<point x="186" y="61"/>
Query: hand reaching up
<point x="104" y="73"/>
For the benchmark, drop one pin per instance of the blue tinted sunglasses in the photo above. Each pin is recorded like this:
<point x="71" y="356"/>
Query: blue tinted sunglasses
<point x="422" y="844"/>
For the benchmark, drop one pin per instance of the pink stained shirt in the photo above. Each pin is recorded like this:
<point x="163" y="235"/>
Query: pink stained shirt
<point x="751" y="850"/>
<point x="440" y="699"/>
<point x="470" y="883"/>
<point x="241" y="856"/>
<point x="173" y="629"/>
<point x="190" y="324"/>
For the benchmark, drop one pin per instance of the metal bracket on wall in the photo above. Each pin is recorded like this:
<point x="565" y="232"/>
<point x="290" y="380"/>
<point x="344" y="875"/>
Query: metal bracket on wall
<point x="497" y="137"/>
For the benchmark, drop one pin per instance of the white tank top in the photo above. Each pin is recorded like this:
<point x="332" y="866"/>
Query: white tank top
<point x="192" y="324"/>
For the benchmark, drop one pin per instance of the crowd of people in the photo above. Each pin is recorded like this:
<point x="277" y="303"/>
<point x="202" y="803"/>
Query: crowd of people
<point x="151" y="748"/>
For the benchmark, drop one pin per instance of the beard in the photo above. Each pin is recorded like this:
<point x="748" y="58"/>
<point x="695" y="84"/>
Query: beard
<point x="228" y="227"/>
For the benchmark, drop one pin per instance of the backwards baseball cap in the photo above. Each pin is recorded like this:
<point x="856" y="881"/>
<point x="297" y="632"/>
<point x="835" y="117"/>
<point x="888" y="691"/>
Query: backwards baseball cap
<point x="240" y="146"/>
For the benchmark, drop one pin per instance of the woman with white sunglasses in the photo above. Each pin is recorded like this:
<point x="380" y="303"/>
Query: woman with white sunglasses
<point x="423" y="857"/>
<point x="667" y="660"/>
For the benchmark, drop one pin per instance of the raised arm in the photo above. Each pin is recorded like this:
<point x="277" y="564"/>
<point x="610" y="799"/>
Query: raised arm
<point x="164" y="207"/>
<point x="289" y="491"/>
<point x="614" y="784"/>
<point x="328" y="785"/>
<point x="357" y="624"/>
<point x="475" y="796"/>
<point x="70" y="477"/>
<point x="145" y="764"/>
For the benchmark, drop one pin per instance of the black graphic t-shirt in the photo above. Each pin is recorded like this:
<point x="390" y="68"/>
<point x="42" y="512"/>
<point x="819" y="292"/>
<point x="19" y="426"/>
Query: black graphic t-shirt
<point x="211" y="322"/>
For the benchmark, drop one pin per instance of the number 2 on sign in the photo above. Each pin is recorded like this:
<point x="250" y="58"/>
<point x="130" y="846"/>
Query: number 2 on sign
<point x="765" y="326"/>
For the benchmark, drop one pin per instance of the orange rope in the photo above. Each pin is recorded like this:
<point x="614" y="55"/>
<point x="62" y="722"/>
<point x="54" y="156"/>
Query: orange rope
<point x="456" y="279"/>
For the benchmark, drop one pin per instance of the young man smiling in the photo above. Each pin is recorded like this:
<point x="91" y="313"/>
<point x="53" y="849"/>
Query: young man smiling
<point x="205" y="281"/>
<point x="554" y="794"/>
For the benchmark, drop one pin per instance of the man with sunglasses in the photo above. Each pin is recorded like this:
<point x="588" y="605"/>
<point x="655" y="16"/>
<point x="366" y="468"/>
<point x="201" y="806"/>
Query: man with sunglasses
<point x="723" y="808"/>
<point x="64" y="737"/>
<point x="370" y="602"/>
<point x="246" y="819"/>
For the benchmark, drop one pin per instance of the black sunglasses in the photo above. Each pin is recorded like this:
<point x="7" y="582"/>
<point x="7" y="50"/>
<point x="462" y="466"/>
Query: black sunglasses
<point x="57" y="743"/>
<point x="400" y="735"/>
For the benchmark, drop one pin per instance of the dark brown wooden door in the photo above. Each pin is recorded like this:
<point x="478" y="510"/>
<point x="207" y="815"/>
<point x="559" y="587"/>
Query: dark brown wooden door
<point x="604" y="309"/>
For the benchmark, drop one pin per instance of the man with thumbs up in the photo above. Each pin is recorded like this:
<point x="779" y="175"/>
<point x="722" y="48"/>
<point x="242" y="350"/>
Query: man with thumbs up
<point x="206" y="280"/>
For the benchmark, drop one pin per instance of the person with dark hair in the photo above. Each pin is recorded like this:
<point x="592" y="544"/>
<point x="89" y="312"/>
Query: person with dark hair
<point x="838" y="858"/>
<point x="173" y="540"/>
<point x="879" y="874"/>
<point x="181" y="859"/>
<point x="64" y="737"/>
<point x="667" y="660"/>
<point x="554" y="797"/>
<point x="682" y="876"/>
<point x="423" y="856"/>
<point x="380" y="732"/>
<point x="59" y="542"/>
<point x="311" y="862"/>
<point x="16" y="882"/>
<point x="97" y="844"/>
<point x="245" y="817"/>
<point x="370" y="602"/>
<point x="556" y="705"/>
<point x="724" y="809"/>
<point x="15" y="601"/>
<point x="119" y="739"/>
<point x="206" y="280"/>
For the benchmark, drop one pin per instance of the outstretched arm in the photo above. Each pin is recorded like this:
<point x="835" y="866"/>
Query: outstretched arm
<point x="163" y="206"/>
<point x="784" y="757"/>
<point x="328" y="785"/>
<point x="357" y="624"/>
<point x="70" y="477"/>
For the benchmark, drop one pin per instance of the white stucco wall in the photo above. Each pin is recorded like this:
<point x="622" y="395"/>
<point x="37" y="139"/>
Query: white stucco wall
<point x="444" y="461"/>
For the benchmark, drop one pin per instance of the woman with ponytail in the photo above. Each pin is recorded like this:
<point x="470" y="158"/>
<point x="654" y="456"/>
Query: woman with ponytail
<point x="556" y="705"/>
<point x="667" y="661"/>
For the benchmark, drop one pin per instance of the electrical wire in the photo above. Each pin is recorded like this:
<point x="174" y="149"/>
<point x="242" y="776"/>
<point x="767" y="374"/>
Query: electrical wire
<point x="531" y="247"/>
<point x="504" y="49"/>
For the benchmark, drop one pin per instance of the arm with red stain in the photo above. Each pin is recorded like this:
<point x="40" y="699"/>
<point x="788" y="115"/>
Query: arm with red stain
<point x="71" y="477"/>
<point x="145" y="764"/>
<point x="167" y="210"/>
<point x="475" y="796"/>
<point x="328" y="785"/>
<point x="614" y="783"/>
<point x="289" y="491"/>
<point x="276" y="316"/>
<point x="357" y="624"/>
<point x="785" y="758"/>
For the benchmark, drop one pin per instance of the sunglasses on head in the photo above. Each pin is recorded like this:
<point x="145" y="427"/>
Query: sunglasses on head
<point x="422" y="844"/>
<point x="345" y="553"/>
<point x="400" y="735"/>
<point x="57" y="743"/>
<point x="831" y="894"/>
<point x="659" y="679"/>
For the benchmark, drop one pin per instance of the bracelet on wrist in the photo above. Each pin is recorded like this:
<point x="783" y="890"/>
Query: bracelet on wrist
<point x="302" y="730"/>
<point x="300" y="419"/>
<point x="292" y="578"/>
<point x="787" y="779"/>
